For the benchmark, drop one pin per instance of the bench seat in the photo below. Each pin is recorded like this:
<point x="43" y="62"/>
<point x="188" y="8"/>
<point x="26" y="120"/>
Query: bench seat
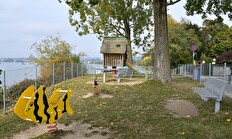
<point x="124" y="73"/>
<point x="204" y="93"/>
<point x="214" y="89"/>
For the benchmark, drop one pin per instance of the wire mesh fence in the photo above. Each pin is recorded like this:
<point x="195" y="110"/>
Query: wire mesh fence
<point x="53" y="74"/>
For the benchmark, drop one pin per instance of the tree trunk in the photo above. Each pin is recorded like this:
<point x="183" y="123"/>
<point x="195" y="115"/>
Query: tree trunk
<point x="128" y="47"/>
<point x="161" y="54"/>
<point x="129" y="51"/>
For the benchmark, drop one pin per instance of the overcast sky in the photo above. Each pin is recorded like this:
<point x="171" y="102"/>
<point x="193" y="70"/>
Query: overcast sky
<point x="24" y="22"/>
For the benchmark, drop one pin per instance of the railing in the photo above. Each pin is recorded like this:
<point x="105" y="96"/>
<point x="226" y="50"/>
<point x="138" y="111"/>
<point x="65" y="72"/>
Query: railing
<point x="200" y="72"/>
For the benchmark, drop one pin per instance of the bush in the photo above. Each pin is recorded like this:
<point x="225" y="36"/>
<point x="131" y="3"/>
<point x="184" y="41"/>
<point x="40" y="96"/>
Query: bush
<point x="225" y="58"/>
<point x="16" y="90"/>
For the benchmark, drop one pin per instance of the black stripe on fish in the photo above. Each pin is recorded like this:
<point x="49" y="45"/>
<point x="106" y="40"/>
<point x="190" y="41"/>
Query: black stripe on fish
<point x="56" y="117"/>
<point x="45" y="101"/>
<point x="35" y="112"/>
<point x="65" y="99"/>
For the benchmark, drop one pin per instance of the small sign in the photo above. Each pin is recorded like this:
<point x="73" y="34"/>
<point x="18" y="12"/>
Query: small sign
<point x="194" y="48"/>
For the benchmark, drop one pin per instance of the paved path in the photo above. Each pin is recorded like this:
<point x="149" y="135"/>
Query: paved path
<point x="228" y="90"/>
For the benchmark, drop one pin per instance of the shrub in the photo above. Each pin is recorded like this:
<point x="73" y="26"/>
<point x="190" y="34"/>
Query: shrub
<point x="225" y="58"/>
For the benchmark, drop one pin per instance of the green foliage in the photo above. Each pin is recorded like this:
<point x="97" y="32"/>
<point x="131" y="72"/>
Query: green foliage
<point x="216" y="38"/>
<point x="181" y="39"/>
<point x="209" y="7"/>
<point x="222" y="41"/>
<point x="16" y="90"/>
<point x="112" y="18"/>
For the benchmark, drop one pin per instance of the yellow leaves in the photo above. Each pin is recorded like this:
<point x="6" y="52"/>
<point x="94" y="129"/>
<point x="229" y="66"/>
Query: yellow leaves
<point x="147" y="60"/>
<point x="188" y="116"/>
<point x="228" y="119"/>
<point x="182" y="133"/>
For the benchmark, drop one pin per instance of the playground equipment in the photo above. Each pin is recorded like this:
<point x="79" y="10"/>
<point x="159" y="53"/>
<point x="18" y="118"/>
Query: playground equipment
<point x="95" y="85"/>
<point x="36" y="107"/>
<point x="130" y="65"/>
<point x="114" y="55"/>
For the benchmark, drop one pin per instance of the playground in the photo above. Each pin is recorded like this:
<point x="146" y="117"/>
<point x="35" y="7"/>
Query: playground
<point x="120" y="102"/>
<point x="141" y="110"/>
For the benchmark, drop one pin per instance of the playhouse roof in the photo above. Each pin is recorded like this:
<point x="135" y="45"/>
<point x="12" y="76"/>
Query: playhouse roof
<point x="114" y="45"/>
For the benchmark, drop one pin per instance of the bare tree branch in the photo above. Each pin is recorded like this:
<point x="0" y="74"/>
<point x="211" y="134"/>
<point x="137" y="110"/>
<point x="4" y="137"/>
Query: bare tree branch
<point x="117" y="28"/>
<point x="173" y="2"/>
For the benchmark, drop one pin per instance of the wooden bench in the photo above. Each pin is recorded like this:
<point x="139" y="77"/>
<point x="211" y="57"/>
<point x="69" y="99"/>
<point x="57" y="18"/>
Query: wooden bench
<point x="124" y="73"/>
<point x="214" y="89"/>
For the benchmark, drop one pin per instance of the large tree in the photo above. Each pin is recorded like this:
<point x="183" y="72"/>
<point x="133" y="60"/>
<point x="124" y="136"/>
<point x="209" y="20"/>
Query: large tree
<point x="127" y="18"/>
<point x="161" y="53"/>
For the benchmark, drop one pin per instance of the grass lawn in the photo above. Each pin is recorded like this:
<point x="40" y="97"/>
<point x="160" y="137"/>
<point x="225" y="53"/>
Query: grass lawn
<point x="137" y="111"/>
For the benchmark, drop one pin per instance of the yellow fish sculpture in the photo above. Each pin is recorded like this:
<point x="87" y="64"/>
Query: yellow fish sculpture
<point x="36" y="107"/>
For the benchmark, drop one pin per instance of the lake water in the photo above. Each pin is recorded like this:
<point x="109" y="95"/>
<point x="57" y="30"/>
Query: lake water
<point x="16" y="72"/>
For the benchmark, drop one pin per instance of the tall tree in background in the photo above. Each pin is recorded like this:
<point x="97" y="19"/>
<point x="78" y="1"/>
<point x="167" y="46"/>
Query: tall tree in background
<point x="181" y="38"/>
<point x="112" y="18"/>
<point x="161" y="53"/>
<point x="217" y="37"/>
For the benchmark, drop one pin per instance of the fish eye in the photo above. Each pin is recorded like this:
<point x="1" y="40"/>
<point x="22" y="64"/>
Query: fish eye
<point x="31" y="104"/>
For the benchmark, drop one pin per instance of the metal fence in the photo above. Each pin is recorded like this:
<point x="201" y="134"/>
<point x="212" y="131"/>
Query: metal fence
<point x="56" y="73"/>
<point x="200" y="72"/>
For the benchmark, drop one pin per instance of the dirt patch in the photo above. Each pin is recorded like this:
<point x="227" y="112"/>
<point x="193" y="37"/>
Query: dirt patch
<point x="88" y="95"/>
<point x="105" y="96"/>
<point x="78" y="130"/>
<point x="181" y="108"/>
<point x="123" y="81"/>
<point x="100" y="94"/>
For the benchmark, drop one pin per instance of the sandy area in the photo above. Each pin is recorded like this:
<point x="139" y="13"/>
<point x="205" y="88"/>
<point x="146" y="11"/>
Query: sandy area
<point x="78" y="131"/>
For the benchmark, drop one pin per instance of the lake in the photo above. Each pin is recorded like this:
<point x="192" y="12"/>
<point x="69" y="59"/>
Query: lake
<point x="16" y="72"/>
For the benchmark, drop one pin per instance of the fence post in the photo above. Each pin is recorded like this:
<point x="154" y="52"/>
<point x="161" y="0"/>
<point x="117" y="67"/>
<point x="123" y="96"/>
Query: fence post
<point x="77" y="69"/>
<point x="185" y="69"/>
<point x="64" y="71"/>
<point x="4" y="91"/>
<point x="36" y="77"/>
<point x="201" y="71"/>
<point x="53" y="73"/>
<point x="210" y="66"/>
<point x="71" y="70"/>
<point x="224" y="72"/>
<point x="81" y="69"/>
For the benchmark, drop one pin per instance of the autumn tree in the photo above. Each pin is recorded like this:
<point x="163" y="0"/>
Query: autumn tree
<point x="127" y="18"/>
<point x="51" y="50"/>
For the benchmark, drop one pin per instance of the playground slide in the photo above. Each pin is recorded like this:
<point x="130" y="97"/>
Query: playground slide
<point x="130" y="65"/>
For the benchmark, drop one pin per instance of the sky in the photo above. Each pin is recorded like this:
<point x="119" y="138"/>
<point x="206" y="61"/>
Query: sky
<point x="24" y="22"/>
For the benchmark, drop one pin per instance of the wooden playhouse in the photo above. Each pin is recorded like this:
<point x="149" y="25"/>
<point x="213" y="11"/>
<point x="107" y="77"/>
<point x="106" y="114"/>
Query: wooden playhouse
<point x="114" y="51"/>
